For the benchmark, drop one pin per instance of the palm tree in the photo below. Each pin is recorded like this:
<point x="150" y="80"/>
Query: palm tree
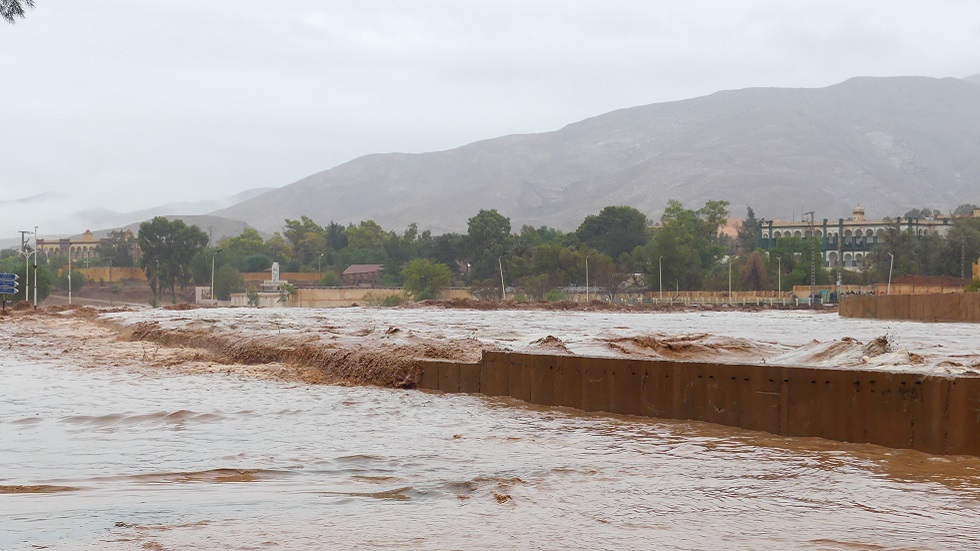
<point x="9" y="9"/>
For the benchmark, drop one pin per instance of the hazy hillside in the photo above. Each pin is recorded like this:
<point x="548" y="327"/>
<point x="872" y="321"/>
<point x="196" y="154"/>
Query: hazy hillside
<point x="974" y="79"/>
<point x="105" y="218"/>
<point x="887" y="143"/>
<point x="215" y="226"/>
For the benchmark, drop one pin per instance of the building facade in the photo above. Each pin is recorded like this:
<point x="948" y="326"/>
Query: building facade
<point x="79" y="248"/>
<point x="848" y="242"/>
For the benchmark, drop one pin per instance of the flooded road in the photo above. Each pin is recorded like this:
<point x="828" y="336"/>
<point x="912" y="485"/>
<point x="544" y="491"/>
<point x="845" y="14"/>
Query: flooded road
<point x="99" y="458"/>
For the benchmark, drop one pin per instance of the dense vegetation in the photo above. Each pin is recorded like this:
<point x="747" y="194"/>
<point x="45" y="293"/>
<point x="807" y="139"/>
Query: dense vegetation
<point x="615" y="249"/>
<point x="620" y="246"/>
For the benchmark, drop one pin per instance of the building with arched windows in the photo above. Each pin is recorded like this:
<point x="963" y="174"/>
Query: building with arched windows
<point x="848" y="242"/>
<point x="80" y="248"/>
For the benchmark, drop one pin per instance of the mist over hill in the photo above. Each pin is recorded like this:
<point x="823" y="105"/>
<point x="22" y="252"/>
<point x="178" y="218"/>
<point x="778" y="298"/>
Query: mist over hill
<point x="889" y="143"/>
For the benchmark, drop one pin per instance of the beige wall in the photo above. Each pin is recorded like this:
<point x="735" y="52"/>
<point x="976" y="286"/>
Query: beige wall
<point x="118" y="274"/>
<point x="963" y="307"/>
<point x="310" y="278"/>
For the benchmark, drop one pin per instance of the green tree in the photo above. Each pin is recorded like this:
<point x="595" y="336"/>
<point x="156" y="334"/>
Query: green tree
<point x="168" y="247"/>
<point x="749" y="233"/>
<point x="449" y="249"/>
<point x="614" y="231"/>
<point x="686" y="245"/>
<point x="117" y="247"/>
<point x="538" y="236"/>
<point x="754" y="274"/>
<point x="306" y="238"/>
<point x="227" y="280"/>
<point x="487" y="235"/>
<point x="12" y="9"/>
<point x="15" y="265"/>
<point x="238" y="248"/>
<point x="277" y="248"/>
<point x="921" y="214"/>
<point x="368" y="235"/>
<point x="331" y="279"/>
<point x="77" y="281"/>
<point x="966" y="209"/>
<point x="425" y="279"/>
<point x="256" y="263"/>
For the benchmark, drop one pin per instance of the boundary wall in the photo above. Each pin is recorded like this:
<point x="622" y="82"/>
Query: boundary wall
<point x="929" y="413"/>
<point x="962" y="307"/>
<point x="118" y="273"/>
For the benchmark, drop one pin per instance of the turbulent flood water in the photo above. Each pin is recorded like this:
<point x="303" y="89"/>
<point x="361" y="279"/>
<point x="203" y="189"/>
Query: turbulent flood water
<point x="117" y="459"/>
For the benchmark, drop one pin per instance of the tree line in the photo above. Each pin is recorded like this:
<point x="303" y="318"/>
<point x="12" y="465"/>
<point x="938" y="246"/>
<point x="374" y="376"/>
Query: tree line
<point x="614" y="249"/>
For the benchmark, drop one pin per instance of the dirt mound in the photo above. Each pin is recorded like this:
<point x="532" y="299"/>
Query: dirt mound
<point x="184" y="306"/>
<point x="22" y="305"/>
<point x="551" y="343"/>
<point x="880" y="345"/>
<point x="367" y="361"/>
<point x="693" y="347"/>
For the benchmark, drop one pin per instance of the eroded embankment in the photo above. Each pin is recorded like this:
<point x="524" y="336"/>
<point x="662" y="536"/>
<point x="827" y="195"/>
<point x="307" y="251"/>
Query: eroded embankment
<point x="393" y="363"/>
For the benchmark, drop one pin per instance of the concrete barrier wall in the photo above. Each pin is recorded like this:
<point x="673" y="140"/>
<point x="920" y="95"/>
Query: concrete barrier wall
<point x="933" y="414"/>
<point x="945" y="307"/>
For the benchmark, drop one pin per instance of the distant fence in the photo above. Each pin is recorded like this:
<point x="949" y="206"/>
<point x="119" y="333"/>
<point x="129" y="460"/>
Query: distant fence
<point x="964" y="307"/>
<point x="930" y="413"/>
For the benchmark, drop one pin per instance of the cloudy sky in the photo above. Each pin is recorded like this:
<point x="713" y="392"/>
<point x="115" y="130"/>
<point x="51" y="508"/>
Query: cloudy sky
<point x="125" y="105"/>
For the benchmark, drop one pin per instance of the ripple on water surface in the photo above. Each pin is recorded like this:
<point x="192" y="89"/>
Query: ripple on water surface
<point x="99" y="459"/>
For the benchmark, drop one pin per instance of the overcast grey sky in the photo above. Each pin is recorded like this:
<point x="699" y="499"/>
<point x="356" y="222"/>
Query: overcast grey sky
<point x="125" y="105"/>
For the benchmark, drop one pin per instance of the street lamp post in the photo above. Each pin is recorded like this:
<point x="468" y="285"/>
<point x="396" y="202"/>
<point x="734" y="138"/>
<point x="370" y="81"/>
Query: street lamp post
<point x="890" y="266"/>
<point x="660" y="262"/>
<point x="212" y="272"/>
<point x="35" y="267"/>
<point x="729" y="280"/>
<point x="587" y="277"/>
<point x="25" y="250"/>
<point x="319" y="270"/>
<point x="779" y="276"/>
<point x="503" y="289"/>
<point x="69" y="274"/>
<point x="110" y="281"/>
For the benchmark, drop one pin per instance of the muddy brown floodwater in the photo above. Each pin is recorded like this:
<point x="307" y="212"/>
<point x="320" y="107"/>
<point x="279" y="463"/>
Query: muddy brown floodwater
<point x="115" y="443"/>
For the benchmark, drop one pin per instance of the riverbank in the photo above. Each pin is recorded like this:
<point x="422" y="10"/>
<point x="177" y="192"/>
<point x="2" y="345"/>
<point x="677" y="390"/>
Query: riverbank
<point x="384" y="347"/>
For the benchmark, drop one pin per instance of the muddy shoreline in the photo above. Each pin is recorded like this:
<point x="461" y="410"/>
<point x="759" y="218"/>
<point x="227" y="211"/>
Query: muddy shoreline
<point x="385" y="347"/>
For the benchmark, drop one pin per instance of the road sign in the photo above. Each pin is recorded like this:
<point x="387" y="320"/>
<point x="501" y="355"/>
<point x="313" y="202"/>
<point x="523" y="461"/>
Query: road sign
<point x="8" y="278"/>
<point x="8" y="289"/>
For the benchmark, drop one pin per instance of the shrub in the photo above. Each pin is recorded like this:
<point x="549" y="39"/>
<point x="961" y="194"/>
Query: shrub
<point x="555" y="295"/>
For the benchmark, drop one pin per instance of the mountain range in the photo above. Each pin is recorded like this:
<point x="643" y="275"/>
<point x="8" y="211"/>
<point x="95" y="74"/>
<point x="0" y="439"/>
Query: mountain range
<point x="887" y="143"/>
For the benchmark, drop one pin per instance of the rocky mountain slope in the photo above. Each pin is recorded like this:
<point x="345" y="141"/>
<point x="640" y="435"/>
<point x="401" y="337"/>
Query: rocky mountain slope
<point x="888" y="143"/>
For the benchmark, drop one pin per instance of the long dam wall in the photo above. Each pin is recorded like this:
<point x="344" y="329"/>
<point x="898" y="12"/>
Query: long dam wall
<point x="963" y="307"/>
<point x="929" y="413"/>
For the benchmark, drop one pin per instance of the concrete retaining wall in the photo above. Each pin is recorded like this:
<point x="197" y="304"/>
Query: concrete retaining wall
<point x="933" y="414"/>
<point x="944" y="307"/>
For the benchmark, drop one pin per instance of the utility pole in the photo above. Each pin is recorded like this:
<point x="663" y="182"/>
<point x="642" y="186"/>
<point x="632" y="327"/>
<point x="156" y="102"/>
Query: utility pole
<point x="813" y="256"/>
<point x="35" y="267"/>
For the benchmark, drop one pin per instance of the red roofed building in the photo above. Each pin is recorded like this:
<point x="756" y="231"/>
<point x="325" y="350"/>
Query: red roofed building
<point x="362" y="274"/>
